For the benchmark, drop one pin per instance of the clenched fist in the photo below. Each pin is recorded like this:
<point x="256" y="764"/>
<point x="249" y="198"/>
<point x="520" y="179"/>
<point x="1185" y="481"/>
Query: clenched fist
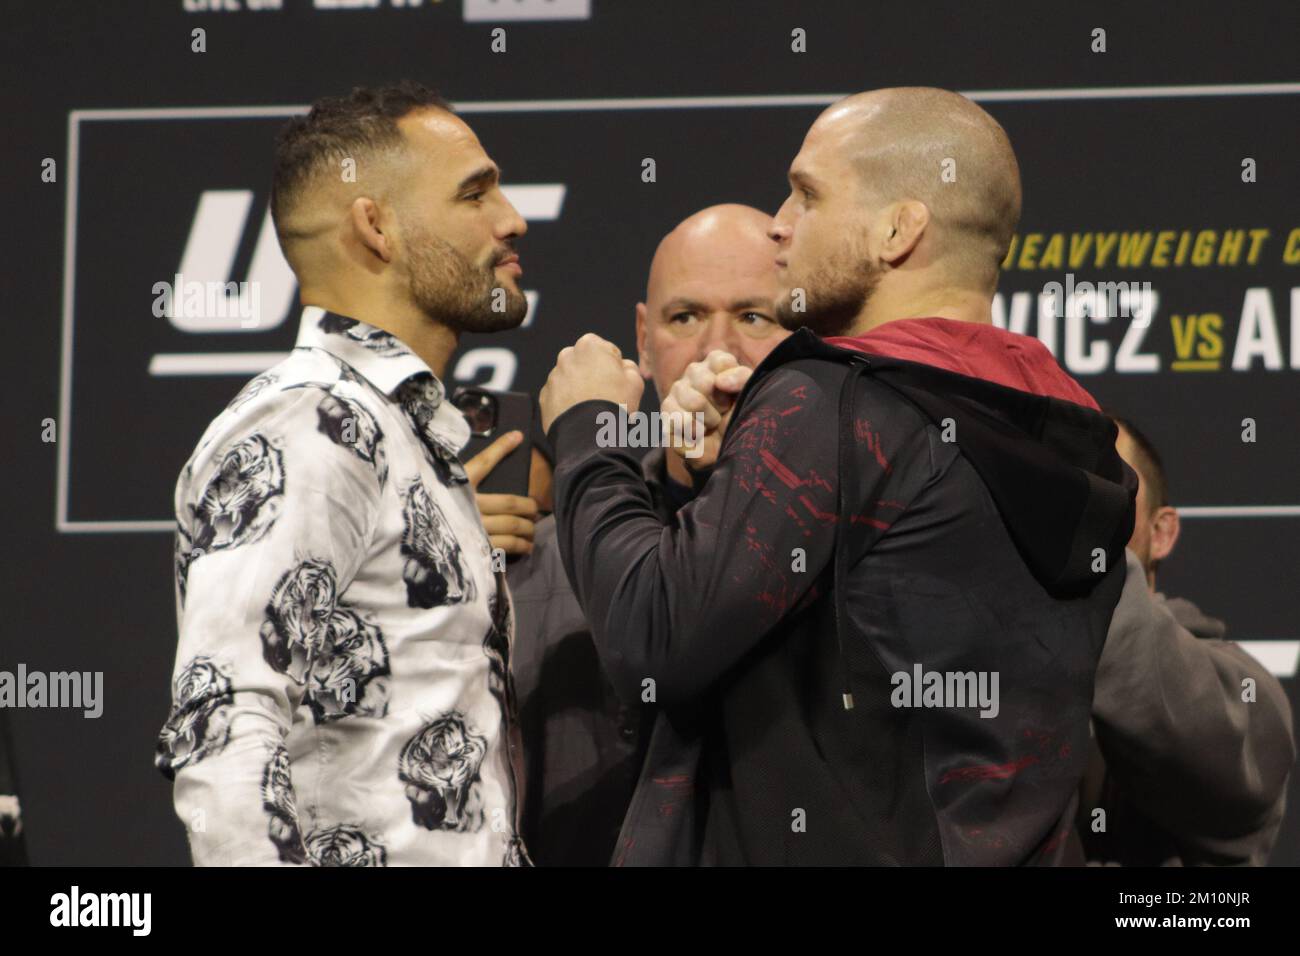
<point x="708" y="389"/>
<point x="590" y="369"/>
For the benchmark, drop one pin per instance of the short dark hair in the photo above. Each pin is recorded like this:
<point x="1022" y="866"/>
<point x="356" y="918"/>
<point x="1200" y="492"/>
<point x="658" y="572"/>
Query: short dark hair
<point x="1149" y="464"/>
<point x="364" y="121"/>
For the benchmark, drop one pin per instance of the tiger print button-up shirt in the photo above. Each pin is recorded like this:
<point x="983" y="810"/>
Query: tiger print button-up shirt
<point x="341" y="694"/>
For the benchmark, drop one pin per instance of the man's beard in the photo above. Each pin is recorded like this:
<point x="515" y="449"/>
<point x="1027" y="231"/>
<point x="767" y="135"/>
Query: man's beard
<point x="450" y="289"/>
<point x="834" y="294"/>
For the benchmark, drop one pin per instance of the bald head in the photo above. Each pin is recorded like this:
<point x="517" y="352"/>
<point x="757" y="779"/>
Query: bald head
<point x="939" y="148"/>
<point x="722" y="241"/>
<point x="712" y="285"/>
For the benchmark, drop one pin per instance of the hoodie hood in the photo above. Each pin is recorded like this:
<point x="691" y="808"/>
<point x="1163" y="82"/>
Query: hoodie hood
<point x="1037" y="440"/>
<point x="975" y="350"/>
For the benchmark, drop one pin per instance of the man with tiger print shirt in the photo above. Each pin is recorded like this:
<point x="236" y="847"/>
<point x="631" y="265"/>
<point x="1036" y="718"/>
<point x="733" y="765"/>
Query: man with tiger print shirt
<point x="341" y="694"/>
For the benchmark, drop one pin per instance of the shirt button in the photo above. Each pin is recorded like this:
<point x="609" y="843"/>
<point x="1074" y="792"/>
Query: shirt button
<point x="629" y="733"/>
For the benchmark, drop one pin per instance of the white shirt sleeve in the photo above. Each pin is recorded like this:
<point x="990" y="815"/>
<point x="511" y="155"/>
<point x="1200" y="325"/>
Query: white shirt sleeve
<point x="274" y="519"/>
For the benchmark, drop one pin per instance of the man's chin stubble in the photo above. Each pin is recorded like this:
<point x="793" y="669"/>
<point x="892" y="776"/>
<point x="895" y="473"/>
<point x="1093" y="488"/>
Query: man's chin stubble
<point x="824" y="321"/>
<point x="484" y="319"/>
<point x="476" y="315"/>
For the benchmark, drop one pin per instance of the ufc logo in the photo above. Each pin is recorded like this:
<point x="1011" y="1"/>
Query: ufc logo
<point x="209" y="256"/>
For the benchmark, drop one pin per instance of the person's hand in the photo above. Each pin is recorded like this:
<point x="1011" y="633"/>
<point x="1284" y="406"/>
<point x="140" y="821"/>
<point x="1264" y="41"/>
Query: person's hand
<point x="708" y="389"/>
<point x="590" y="369"/>
<point x="508" y="519"/>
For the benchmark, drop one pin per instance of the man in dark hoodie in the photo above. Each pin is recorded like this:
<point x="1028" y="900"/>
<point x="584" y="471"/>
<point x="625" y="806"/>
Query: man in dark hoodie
<point x="712" y="286"/>
<point x="920" y="497"/>
<point x="1193" y="740"/>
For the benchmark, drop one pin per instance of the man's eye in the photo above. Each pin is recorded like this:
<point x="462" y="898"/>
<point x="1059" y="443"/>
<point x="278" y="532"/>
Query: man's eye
<point x="756" y="315"/>
<point x="473" y="197"/>
<point x="806" y="194"/>
<point x="681" y="316"/>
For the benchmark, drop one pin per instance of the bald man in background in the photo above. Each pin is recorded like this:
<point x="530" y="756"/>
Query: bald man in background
<point x="712" y="286"/>
<point x="910" y="492"/>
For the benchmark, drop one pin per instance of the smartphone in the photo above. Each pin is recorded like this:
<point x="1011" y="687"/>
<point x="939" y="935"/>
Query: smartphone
<point x="490" y="415"/>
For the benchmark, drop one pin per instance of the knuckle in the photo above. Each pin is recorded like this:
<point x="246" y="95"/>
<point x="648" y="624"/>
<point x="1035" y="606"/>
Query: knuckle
<point x="693" y="402"/>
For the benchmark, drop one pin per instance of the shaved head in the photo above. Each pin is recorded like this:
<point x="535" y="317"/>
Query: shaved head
<point x="725" y="239"/>
<point x="712" y="285"/>
<point x="939" y="148"/>
<point x="902" y="202"/>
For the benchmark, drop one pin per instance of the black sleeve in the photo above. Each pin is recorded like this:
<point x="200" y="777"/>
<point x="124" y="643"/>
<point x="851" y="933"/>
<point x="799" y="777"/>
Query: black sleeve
<point x="681" y="604"/>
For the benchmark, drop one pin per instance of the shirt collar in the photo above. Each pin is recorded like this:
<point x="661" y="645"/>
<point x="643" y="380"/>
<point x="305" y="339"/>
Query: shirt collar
<point x="380" y="356"/>
<point x="386" y="362"/>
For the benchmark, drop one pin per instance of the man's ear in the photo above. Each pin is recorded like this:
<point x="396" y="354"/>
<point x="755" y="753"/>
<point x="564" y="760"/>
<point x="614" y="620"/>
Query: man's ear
<point x="906" y="223"/>
<point x="1164" y="532"/>
<point x="364" y="214"/>
<point x="643" y="360"/>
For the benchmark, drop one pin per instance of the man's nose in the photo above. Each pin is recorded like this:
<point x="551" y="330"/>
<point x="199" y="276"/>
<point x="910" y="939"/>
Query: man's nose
<point x="721" y="334"/>
<point x="512" y="224"/>
<point x="779" y="231"/>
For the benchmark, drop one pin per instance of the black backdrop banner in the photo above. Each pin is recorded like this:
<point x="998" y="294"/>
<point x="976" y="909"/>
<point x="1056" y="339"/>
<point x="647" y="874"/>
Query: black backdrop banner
<point x="1161" y="208"/>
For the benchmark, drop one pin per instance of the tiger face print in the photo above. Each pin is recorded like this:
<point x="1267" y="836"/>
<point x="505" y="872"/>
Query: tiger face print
<point x="278" y="801"/>
<point x="243" y="499"/>
<point x="440" y="767"/>
<point x="297" y="626"/>
<point x="516" y="853"/>
<point x="419" y="398"/>
<point x="433" y="570"/>
<point x="376" y="340"/>
<point x="199" y="725"/>
<point x="315" y="639"/>
<point x="350" y="426"/>
<point x="349" y="679"/>
<point x="496" y="645"/>
<point x="255" y="387"/>
<point x="344" y="845"/>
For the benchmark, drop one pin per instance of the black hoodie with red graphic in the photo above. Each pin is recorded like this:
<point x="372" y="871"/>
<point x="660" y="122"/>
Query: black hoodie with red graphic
<point x="935" y="503"/>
